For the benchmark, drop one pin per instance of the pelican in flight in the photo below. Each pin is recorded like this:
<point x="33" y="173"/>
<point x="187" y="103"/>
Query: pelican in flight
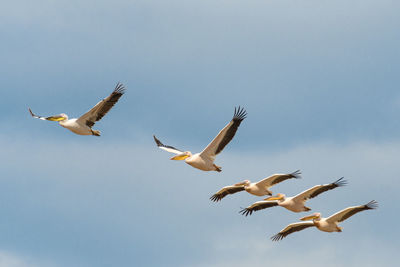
<point x="329" y="224"/>
<point x="261" y="188"/>
<point x="205" y="159"/>
<point x="295" y="203"/>
<point x="83" y="125"/>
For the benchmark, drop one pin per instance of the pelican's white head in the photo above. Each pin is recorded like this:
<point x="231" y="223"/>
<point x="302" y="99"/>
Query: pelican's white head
<point x="245" y="183"/>
<point x="182" y="156"/>
<point x="313" y="216"/>
<point x="65" y="116"/>
<point x="279" y="196"/>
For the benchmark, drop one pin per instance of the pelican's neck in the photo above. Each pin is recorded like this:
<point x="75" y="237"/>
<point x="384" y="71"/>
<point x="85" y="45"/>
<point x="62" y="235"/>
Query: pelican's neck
<point x="67" y="121"/>
<point x="316" y="220"/>
<point x="63" y="122"/>
<point x="246" y="184"/>
<point x="190" y="156"/>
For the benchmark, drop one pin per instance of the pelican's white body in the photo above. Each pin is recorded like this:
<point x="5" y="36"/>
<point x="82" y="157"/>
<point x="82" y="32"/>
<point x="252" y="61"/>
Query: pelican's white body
<point x="257" y="190"/>
<point x="74" y="126"/>
<point x="324" y="225"/>
<point x="201" y="162"/>
<point x="291" y="204"/>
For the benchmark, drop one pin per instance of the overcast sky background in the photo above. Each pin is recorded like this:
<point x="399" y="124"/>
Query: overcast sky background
<point x="319" y="80"/>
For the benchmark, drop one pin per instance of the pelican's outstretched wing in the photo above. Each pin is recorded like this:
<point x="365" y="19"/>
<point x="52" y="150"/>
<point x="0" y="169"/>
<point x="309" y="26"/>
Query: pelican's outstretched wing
<point x="225" y="135"/>
<point x="101" y="108"/>
<point x="259" y="205"/>
<point x="51" y="118"/>
<point x="166" y="148"/>
<point x="232" y="189"/>
<point x="291" y="228"/>
<point x="319" y="189"/>
<point x="350" y="211"/>
<point x="277" y="178"/>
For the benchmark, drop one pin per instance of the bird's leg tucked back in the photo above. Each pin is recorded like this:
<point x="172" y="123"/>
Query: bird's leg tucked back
<point x="217" y="168"/>
<point x="95" y="132"/>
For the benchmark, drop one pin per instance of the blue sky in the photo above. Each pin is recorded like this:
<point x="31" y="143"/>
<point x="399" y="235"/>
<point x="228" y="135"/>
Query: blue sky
<point x="319" y="80"/>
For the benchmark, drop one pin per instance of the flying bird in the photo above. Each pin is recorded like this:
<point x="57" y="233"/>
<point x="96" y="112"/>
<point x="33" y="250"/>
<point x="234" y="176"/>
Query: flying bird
<point x="295" y="203"/>
<point x="329" y="224"/>
<point x="260" y="188"/>
<point x="83" y="125"/>
<point x="205" y="160"/>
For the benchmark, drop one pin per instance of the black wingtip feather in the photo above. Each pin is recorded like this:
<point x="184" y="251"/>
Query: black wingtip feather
<point x="277" y="237"/>
<point x="119" y="88"/>
<point x="215" y="198"/>
<point x="245" y="211"/>
<point x="30" y="111"/>
<point x="373" y="204"/>
<point x="341" y="182"/>
<point x="239" y="114"/>
<point x="296" y="174"/>
<point x="158" y="142"/>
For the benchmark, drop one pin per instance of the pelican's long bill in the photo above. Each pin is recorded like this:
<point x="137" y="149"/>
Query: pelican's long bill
<point x="309" y="217"/>
<point x="242" y="183"/>
<point x="55" y="118"/>
<point x="277" y="197"/>
<point x="180" y="156"/>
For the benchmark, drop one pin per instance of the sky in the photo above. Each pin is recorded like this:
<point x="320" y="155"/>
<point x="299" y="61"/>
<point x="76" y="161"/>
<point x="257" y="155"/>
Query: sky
<point x="319" y="80"/>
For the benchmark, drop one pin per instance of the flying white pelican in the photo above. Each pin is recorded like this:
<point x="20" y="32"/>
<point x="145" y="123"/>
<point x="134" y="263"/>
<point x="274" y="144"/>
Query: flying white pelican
<point x="205" y="159"/>
<point x="296" y="203"/>
<point x="261" y="188"/>
<point x="83" y="125"/>
<point x="329" y="224"/>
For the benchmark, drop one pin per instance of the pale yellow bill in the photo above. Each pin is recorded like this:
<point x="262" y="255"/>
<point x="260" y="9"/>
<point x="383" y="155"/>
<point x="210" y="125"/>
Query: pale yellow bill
<point x="180" y="157"/>
<point x="55" y="118"/>
<point x="307" y="218"/>
<point x="273" y="198"/>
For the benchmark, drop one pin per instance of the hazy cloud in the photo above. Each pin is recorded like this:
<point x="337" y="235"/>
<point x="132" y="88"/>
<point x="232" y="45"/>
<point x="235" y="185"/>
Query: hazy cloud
<point x="94" y="197"/>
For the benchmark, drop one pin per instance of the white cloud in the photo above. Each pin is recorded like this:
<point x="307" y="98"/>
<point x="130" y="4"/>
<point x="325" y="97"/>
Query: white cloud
<point x="9" y="259"/>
